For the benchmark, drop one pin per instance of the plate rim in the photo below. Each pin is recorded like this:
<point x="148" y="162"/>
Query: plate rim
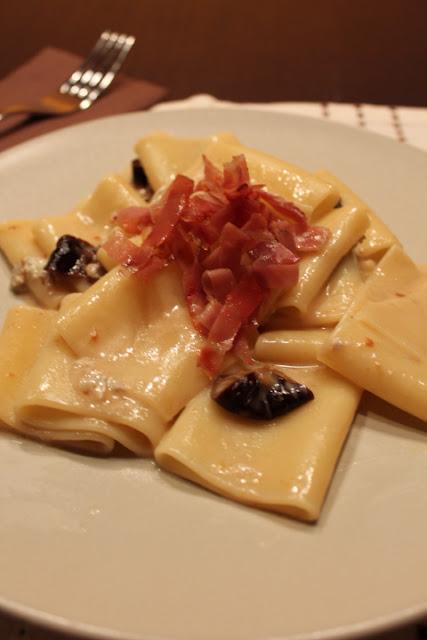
<point x="85" y="631"/>
<point x="64" y="131"/>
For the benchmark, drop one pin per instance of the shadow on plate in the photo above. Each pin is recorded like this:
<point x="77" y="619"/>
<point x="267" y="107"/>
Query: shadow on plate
<point x="387" y="417"/>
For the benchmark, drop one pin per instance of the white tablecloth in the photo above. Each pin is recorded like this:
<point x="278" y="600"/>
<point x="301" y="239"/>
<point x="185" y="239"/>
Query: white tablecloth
<point x="405" y="124"/>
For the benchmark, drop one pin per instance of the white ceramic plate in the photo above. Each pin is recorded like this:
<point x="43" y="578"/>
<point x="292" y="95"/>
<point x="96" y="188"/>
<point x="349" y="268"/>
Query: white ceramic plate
<point x="117" y="549"/>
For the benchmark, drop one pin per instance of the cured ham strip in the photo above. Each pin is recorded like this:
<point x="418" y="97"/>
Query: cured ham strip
<point x="121" y="249"/>
<point x="237" y="246"/>
<point x="133" y="219"/>
<point x="287" y="210"/>
<point x="275" y="265"/>
<point x="228" y="251"/>
<point x="238" y="307"/>
<point x="312" y="239"/>
<point x="236" y="176"/>
<point x="217" y="283"/>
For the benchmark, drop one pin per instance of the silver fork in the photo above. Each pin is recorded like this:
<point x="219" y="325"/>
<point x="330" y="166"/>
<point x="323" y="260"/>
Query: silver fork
<point x="86" y="84"/>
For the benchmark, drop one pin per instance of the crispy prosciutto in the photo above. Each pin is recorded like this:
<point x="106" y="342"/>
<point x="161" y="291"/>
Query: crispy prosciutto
<point x="237" y="246"/>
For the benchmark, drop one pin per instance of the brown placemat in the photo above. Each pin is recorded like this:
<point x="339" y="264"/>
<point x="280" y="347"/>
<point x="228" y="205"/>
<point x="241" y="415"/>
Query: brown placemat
<point x="43" y="74"/>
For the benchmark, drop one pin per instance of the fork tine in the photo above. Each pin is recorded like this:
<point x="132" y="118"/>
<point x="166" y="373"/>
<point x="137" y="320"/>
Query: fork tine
<point x="105" y="63"/>
<point x="96" y="53"/>
<point x="124" y="45"/>
<point x="103" y="54"/>
<point x="100" y="78"/>
<point x="93" y="75"/>
<point x="99" y="69"/>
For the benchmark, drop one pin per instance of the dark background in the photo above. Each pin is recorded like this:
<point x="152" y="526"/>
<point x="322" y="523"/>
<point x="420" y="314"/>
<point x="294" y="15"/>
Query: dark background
<point x="261" y="50"/>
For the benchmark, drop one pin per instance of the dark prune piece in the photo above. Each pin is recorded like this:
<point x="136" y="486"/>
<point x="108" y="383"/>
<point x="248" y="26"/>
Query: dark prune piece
<point x="139" y="177"/>
<point x="260" y="393"/>
<point x="72" y="257"/>
<point x="338" y="204"/>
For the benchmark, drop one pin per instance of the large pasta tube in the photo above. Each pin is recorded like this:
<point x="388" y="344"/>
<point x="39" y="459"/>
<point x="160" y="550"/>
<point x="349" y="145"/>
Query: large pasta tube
<point x="25" y="331"/>
<point x="291" y="346"/>
<point x="18" y="244"/>
<point x="396" y="270"/>
<point x="315" y="270"/>
<point x="143" y="334"/>
<point x="283" y="465"/>
<point x="60" y="387"/>
<point x="378" y="237"/>
<point x="92" y="218"/>
<point x="312" y="195"/>
<point x="329" y="306"/>
<point x="164" y="156"/>
<point x="381" y="341"/>
<point x="17" y="241"/>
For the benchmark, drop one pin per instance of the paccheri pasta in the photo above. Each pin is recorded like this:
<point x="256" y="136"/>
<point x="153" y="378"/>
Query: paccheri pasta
<point x="219" y="310"/>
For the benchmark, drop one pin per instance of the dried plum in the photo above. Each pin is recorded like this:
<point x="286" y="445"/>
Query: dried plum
<point x="260" y="393"/>
<point x="139" y="177"/>
<point x="338" y="204"/>
<point x="75" y="258"/>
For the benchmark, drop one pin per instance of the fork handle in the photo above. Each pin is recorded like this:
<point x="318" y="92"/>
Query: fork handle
<point x="47" y="106"/>
<point x="18" y="109"/>
<point x="14" y="109"/>
<point x="26" y="109"/>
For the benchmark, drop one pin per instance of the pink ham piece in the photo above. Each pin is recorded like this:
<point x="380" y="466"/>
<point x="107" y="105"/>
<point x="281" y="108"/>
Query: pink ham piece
<point x="217" y="283"/>
<point x="236" y="176"/>
<point x="133" y="219"/>
<point x="275" y="265"/>
<point x="287" y="210"/>
<point x="121" y="249"/>
<point x="237" y="246"/>
<point x="238" y="308"/>
<point x="311" y="239"/>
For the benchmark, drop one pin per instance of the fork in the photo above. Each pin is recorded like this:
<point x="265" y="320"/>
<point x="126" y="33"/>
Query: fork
<point x="86" y="83"/>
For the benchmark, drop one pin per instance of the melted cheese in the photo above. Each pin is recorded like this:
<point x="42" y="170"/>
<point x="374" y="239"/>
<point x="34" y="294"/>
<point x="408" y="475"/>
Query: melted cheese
<point x="283" y="465"/>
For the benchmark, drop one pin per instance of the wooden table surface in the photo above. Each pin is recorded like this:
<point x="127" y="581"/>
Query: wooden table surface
<point x="370" y="51"/>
